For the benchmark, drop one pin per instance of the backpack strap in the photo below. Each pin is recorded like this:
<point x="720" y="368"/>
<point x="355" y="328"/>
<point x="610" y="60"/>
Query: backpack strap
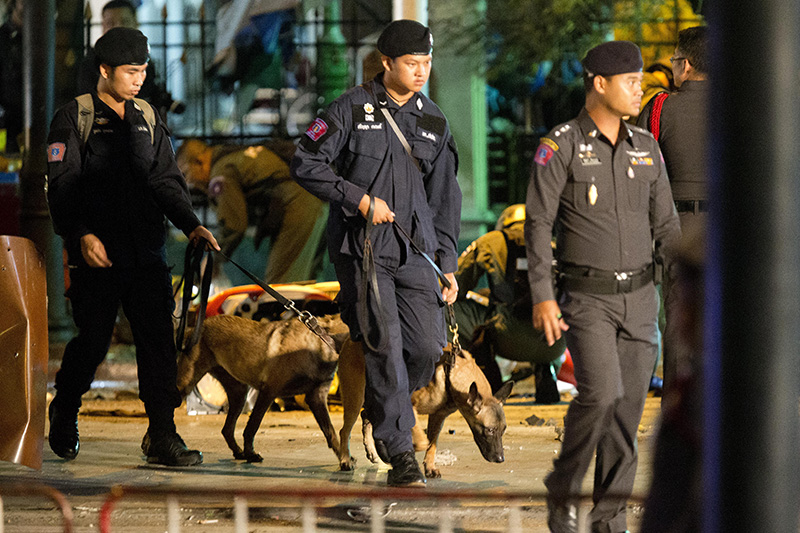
<point x="655" y="113"/>
<point x="149" y="117"/>
<point x="86" y="116"/>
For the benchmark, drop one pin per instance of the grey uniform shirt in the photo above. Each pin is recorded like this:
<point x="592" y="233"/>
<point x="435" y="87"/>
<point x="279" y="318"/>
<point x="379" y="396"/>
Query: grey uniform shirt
<point x="611" y="206"/>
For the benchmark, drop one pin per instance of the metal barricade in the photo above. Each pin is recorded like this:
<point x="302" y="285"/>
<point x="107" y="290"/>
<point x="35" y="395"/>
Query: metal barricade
<point x="28" y="489"/>
<point x="312" y="499"/>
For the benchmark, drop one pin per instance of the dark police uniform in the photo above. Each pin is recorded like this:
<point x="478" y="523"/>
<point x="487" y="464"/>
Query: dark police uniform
<point x="506" y="320"/>
<point x="681" y="130"/>
<point x="369" y="158"/>
<point x="118" y="186"/>
<point x="609" y="206"/>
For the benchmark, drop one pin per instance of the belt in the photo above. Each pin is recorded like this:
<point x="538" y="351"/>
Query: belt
<point x="584" y="279"/>
<point x="691" y="206"/>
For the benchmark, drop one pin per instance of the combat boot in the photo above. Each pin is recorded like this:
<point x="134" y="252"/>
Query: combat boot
<point x="63" y="436"/>
<point x="167" y="448"/>
<point x="405" y="471"/>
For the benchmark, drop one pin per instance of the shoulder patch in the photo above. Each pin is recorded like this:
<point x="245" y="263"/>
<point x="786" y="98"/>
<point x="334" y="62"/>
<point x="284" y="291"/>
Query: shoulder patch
<point x="549" y="142"/>
<point x="543" y="154"/>
<point x="55" y="152"/>
<point x="317" y="133"/>
<point x="432" y="123"/>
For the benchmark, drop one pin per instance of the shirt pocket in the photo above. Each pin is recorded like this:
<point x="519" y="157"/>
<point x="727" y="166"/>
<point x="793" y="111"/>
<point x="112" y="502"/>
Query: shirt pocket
<point x="424" y="152"/>
<point x="369" y="144"/>
<point x="638" y="190"/>
<point x="367" y="152"/>
<point x="589" y="190"/>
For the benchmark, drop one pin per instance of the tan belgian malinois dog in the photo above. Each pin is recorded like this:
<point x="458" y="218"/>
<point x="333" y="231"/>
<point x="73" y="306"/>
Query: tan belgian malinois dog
<point x="281" y="358"/>
<point x="463" y="388"/>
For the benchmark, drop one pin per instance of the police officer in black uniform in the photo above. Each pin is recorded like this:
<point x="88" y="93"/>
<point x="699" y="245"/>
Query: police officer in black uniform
<point x="603" y="185"/>
<point x="678" y="120"/>
<point x="419" y="193"/>
<point x="108" y="198"/>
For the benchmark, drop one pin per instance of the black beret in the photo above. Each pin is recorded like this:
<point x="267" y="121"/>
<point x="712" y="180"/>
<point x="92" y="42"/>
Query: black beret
<point x="403" y="37"/>
<point x="613" y="57"/>
<point x="122" y="46"/>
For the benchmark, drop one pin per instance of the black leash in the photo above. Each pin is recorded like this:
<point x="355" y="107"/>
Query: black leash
<point x="192" y="260"/>
<point x="309" y="320"/>
<point x="451" y="315"/>
<point x="369" y="278"/>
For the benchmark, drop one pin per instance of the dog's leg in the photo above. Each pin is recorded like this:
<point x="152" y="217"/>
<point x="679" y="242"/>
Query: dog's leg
<point x="237" y="395"/>
<point x="265" y="398"/>
<point x="352" y="381"/>
<point x="369" y="441"/>
<point x="435" y="424"/>
<point x="317" y="401"/>
<point x="418" y="435"/>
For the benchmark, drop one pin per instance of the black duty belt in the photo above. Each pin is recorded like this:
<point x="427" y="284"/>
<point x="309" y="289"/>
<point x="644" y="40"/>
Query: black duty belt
<point x="584" y="279"/>
<point x="691" y="206"/>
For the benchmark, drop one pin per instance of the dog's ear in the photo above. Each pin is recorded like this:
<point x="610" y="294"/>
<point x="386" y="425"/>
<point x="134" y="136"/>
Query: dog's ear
<point x="474" y="399"/>
<point x="504" y="392"/>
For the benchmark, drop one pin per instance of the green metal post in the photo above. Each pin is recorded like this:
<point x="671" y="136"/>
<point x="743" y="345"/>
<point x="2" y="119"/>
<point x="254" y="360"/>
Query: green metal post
<point x="332" y="68"/>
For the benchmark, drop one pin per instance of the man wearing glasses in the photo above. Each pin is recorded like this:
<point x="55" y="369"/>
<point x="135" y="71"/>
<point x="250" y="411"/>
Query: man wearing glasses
<point x="678" y="122"/>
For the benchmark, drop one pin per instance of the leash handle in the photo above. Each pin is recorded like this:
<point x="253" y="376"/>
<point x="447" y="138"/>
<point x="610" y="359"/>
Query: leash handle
<point x="191" y="268"/>
<point x="370" y="279"/>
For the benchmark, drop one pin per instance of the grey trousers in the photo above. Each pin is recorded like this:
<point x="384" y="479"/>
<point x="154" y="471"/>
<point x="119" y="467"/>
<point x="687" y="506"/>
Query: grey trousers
<point x="613" y="340"/>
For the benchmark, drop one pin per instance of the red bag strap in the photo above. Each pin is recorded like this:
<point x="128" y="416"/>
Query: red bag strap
<point x="655" y="114"/>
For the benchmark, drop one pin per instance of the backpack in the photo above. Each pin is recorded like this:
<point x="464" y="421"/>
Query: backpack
<point x="86" y="116"/>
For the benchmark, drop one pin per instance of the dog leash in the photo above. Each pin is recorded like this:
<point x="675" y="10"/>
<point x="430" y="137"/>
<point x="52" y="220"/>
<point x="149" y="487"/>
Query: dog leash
<point x="451" y="315"/>
<point x="192" y="260"/>
<point x="370" y="279"/>
<point x="309" y="320"/>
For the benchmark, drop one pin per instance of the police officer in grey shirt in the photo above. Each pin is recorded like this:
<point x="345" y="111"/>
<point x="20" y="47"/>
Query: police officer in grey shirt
<point x="603" y="186"/>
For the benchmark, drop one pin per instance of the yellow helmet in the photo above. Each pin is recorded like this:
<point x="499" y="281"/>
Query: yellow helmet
<point x="511" y="214"/>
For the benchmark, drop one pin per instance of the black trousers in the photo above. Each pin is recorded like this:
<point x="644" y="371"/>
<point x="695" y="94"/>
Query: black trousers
<point x="613" y="340"/>
<point x="414" y="338"/>
<point x="146" y="298"/>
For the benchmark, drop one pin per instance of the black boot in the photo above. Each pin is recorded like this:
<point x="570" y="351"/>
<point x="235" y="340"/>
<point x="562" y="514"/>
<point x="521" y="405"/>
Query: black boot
<point x="546" y="387"/>
<point x="63" y="437"/>
<point x="405" y="471"/>
<point x="167" y="448"/>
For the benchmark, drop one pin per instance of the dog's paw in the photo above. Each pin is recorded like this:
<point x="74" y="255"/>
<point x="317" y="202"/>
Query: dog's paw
<point x="432" y="473"/>
<point x="347" y="465"/>
<point x="253" y="457"/>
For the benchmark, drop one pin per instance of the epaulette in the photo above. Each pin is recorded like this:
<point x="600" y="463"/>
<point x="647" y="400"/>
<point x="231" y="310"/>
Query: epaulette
<point x="643" y="131"/>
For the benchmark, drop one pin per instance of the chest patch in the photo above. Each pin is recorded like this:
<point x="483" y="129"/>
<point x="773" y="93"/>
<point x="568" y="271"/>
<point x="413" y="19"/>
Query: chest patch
<point x="647" y="161"/>
<point x="367" y="118"/>
<point x="427" y="135"/>
<point x="588" y="158"/>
